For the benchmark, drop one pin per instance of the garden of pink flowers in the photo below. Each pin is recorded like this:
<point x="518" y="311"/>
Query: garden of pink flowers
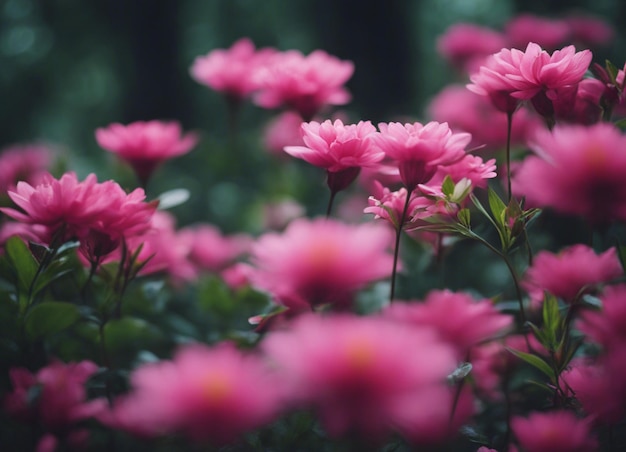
<point x="449" y="281"/>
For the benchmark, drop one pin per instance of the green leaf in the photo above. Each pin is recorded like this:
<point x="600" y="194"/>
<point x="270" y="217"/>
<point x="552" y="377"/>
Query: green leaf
<point x="22" y="261"/>
<point x="129" y="333"/>
<point x="497" y="207"/>
<point x="50" y="317"/>
<point x="612" y="70"/>
<point x="447" y="187"/>
<point x="482" y="209"/>
<point x="551" y="319"/>
<point x="534" y="361"/>
<point x="464" y="217"/>
<point x="621" y="124"/>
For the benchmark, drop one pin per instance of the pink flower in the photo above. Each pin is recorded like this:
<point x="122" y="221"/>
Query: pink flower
<point x="315" y="262"/>
<point x="606" y="327"/>
<point x="69" y="209"/>
<point x="571" y="272"/>
<point x="359" y="373"/>
<point x="471" y="167"/>
<point x="556" y="431"/>
<point x="231" y="71"/>
<point x="302" y="83"/>
<point x="27" y="162"/>
<point x="212" y="251"/>
<point x="576" y="171"/>
<point x="283" y="130"/>
<point x="466" y="111"/>
<point x="420" y="149"/>
<point x="206" y="394"/>
<point x="466" y="45"/>
<point x="459" y="319"/>
<point x="389" y="205"/>
<point x="62" y="400"/>
<point x="548" y="33"/>
<point x="587" y="31"/>
<point x="340" y="149"/>
<point x="581" y="103"/>
<point x="146" y="144"/>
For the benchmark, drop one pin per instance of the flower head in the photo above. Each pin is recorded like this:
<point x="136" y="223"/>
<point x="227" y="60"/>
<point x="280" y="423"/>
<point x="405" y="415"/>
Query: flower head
<point x="146" y="144"/>
<point x="315" y="262"/>
<point x="420" y="149"/>
<point x="26" y="162"/>
<point x="231" y="71"/>
<point x="210" y="249"/>
<point x="302" y="83"/>
<point x="577" y="170"/>
<point x="466" y="45"/>
<point x="206" y="394"/>
<point x="548" y="33"/>
<point x="606" y="327"/>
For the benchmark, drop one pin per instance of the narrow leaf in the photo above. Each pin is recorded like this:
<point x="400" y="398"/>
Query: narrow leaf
<point x="534" y="361"/>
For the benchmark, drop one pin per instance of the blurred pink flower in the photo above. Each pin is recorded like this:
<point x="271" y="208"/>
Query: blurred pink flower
<point x="466" y="111"/>
<point x="69" y="209"/>
<point x="580" y="103"/>
<point x="555" y="431"/>
<point x="576" y="171"/>
<point x="359" y="372"/>
<point x="458" y="318"/>
<point x="281" y="131"/>
<point x="210" y="249"/>
<point x="571" y="272"/>
<point x="146" y="144"/>
<point x="606" y="326"/>
<point x="465" y="46"/>
<point x="302" y="83"/>
<point x="231" y="71"/>
<point x="548" y="33"/>
<point x="419" y="150"/>
<point x="587" y="31"/>
<point x="342" y="150"/>
<point x="276" y="215"/>
<point x="207" y="394"/>
<point x="23" y="162"/>
<point x="62" y="401"/>
<point x="316" y="262"/>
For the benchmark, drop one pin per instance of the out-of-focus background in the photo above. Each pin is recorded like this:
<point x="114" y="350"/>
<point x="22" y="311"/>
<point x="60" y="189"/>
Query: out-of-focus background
<point x="70" y="66"/>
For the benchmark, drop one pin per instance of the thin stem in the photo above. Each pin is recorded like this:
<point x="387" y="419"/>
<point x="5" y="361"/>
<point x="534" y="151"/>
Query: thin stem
<point x="396" y="250"/>
<point x="330" y="203"/>
<point x="509" y="127"/>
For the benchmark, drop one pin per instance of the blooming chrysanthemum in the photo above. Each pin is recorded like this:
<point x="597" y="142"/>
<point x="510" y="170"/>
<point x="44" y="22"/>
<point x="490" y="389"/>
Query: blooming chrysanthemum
<point x="231" y="71"/>
<point x="302" y="83"/>
<point x="389" y="205"/>
<point x="69" y="209"/>
<point x="27" y="162"/>
<point x="556" y="431"/>
<point x="420" y="149"/>
<point x="577" y="171"/>
<point x="360" y="373"/>
<point x="570" y="271"/>
<point x="206" y="394"/>
<point x="316" y="262"/>
<point x="466" y="45"/>
<point x="146" y="144"/>
<point x="458" y="318"/>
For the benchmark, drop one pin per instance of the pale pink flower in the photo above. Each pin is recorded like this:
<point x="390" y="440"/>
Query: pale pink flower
<point x="359" y="372"/>
<point x="206" y="394"/>
<point x="389" y="205"/>
<point x="466" y="45"/>
<point x="302" y="83"/>
<point x="471" y="167"/>
<point x="316" y="262"/>
<point x="210" y="249"/>
<point x="555" y="431"/>
<point x="146" y="144"/>
<point x="62" y="402"/>
<point x="276" y="215"/>
<point x="231" y="71"/>
<point x="606" y="327"/>
<point x="571" y="272"/>
<point x="69" y="209"/>
<point x="458" y="318"/>
<point x="281" y="131"/>
<point x="576" y="171"/>
<point x="466" y="111"/>
<point x="27" y="232"/>
<point x="548" y="33"/>
<point x="23" y="162"/>
<point x="419" y="150"/>
<point x="587" y="31"/>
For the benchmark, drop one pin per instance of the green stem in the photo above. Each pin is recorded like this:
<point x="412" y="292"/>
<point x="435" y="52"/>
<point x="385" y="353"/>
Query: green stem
<point x="509" y="128"/>
<point x="330" y="203"/>
<point x="396" y="250"/>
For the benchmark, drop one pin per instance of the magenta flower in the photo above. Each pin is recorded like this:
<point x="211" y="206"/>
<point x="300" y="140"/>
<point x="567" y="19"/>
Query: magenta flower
<point x="548" y="33"/>
<point x="571" y="272"/>
<point x="146" y="144"/>
<point x="606" y="327"/>
<point x="466" y="45"/>
<point x="206" y="394"/>
<point x="302" y="83"/>
<point x="576" y="171"/>
<point x="587" y="31"/>
<point x="556" y="431"/>
<point x="316" y="262"/>
<point x="581" y="103"/>
<point x="231" y="71"/>
<point x="359" y="373"/>
<point x="68" y="209"/>
<point x="459" y="319"/>
<point x="389" y="205"/>
<point x="27" y="162"/>
<point x="210" y="249"/>
<point x="342" y="150"/>
<point x="419" y="150"/>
